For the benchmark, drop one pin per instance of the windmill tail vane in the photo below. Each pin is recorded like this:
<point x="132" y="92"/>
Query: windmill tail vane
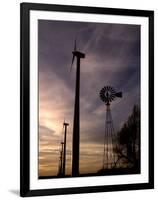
<point x="118" y="94"/>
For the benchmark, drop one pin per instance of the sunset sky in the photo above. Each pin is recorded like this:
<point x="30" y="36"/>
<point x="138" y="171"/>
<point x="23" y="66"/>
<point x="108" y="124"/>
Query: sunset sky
<point x="112" y="58"/>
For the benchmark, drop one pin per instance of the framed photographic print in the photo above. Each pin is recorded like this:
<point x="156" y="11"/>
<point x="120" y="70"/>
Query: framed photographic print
<point x="87" y="99"/>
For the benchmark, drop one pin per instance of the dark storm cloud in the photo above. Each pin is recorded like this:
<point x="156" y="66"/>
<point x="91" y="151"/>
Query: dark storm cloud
<point x="113" y="46"/>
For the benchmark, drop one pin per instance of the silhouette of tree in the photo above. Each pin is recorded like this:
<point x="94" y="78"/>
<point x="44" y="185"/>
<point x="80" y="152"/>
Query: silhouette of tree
<point x="128" y="147"/>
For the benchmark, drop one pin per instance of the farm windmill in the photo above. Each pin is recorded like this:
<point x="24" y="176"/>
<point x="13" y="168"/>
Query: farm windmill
<point x="76" y="124"/>
<point x="107" y="95"/>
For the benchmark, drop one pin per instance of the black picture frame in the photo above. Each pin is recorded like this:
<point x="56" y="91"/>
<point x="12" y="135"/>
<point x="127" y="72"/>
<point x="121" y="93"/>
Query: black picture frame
<point x="25" y="9"/>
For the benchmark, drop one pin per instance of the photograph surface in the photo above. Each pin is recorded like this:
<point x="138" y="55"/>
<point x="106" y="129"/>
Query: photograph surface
<point x="89" y="99"/>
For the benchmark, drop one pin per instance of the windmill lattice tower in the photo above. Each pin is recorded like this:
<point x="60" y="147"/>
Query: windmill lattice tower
<point x="107" y="95"/>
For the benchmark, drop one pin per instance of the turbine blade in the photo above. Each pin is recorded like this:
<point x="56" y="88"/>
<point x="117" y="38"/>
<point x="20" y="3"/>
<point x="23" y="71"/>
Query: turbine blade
<point x="75" y="48"/>
<point x="72" y="62"/>
<point x="75" y="45"/>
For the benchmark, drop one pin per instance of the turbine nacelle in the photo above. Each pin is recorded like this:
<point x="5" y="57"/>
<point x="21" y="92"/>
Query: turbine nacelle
<point x="65" y="124"/>
<point x="78" y="54"/>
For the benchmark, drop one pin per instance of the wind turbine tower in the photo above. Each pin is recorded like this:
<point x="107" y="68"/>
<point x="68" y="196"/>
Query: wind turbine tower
<point x="64" y="153"/>
<point x="76" y="125"/>
<point x="60" y="170"/>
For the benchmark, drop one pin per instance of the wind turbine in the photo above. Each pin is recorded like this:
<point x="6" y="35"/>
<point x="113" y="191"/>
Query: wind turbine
<point x="76" y="124"/>
<point x="62" y="158"/>
<point x="64" y="150"/>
